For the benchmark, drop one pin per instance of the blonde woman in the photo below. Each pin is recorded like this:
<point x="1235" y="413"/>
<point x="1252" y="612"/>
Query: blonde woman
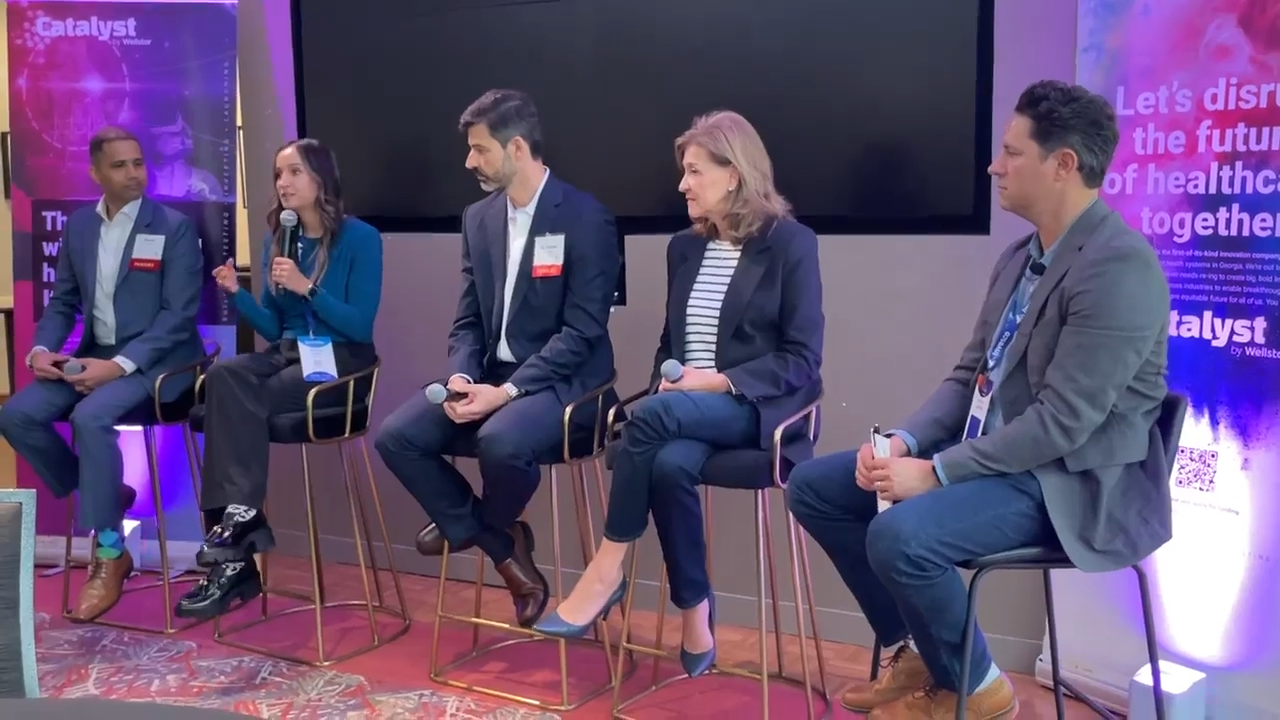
<point x="745" y="322"/>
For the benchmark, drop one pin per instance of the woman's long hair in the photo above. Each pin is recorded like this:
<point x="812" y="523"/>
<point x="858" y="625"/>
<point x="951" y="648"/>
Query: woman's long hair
<point x="322" y="165"/>
<point x="732" y="142"/>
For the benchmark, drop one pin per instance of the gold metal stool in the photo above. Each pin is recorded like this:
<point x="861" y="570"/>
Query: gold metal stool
<point x="343" y="426"/>
<point x="149" y="416"/>
<point x="579" y="449"/>
<point x="761" y="472"/>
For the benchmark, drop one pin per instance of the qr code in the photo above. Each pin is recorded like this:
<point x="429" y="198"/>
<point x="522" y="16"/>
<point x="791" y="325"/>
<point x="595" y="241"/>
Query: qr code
<point x="1196" y="469"/>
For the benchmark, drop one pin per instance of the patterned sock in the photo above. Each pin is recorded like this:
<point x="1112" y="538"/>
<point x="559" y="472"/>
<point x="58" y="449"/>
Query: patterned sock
<point x="232" y="568"/>
<point x="239" y="513"/>
<point x="110" y="544"/>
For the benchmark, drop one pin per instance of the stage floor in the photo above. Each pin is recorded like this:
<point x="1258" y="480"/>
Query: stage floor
<point x="190" y="668"/>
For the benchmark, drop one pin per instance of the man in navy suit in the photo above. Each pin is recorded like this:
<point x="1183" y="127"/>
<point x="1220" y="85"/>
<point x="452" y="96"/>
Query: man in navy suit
<point x="539" y="269"/>
<point x="133" y="269"/>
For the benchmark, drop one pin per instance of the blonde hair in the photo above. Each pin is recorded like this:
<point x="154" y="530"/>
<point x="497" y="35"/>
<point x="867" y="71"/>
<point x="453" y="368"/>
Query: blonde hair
<point x="732" y="142"/>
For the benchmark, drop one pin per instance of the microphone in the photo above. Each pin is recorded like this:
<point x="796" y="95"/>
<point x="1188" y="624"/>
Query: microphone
<point x="72" y="367"/>
<point x="289" y="247"/>
<point x="289" y="243"/>
<point x="1037" y="268"/>
<point x="438" y="394"/>
<point x="671" y="370"/>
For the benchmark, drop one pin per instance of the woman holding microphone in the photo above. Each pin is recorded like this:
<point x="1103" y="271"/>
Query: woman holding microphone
<point x="322" y="274"/>
<point x="740" y="351"/>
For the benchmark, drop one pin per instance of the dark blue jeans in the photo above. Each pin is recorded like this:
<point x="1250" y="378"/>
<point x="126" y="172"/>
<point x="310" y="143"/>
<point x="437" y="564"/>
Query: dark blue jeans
<point x="658" y="469"/>
<point x="901" y="564"/>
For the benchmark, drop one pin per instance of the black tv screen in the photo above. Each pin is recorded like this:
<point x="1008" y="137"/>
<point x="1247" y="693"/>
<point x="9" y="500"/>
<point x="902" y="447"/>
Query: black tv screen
<point x="877" y="116"/>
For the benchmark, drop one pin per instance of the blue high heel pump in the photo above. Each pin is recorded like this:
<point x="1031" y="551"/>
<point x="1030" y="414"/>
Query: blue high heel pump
<point x="696" y="664"/>
<point x="557" y="627"/>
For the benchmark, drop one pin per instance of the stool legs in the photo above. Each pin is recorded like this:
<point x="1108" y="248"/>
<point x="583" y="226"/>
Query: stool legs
<point x="374" y="602"/>
<point x="586" y="539"/>
<point x="166" y="578"/>
<point x="767" y="604"/>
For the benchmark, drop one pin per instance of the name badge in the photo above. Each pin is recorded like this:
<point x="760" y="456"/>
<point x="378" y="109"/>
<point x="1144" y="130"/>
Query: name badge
<point x="978" y="407"/>
<point x="147" y="251"/>
<point x="316" y="355"/>
<point x="548" y="255"/>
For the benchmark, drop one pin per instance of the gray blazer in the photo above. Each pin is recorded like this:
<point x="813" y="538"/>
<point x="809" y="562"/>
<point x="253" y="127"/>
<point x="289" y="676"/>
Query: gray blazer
<point x="1080" y="398"/>
<point x="155" y="310"/>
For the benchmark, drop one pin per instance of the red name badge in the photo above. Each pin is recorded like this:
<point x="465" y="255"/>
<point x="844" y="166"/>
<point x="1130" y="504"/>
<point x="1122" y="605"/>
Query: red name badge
<point x="147" y="251"/>
<point x="548" y="255"/>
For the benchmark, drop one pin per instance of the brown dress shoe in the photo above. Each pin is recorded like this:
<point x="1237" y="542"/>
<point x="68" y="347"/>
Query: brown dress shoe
<point x="903" y="674"/>
<point x="528" y="586"/>
<point x="104" y="587"/>
<point x="430" y="542"/>
<point x="994" y="702"/>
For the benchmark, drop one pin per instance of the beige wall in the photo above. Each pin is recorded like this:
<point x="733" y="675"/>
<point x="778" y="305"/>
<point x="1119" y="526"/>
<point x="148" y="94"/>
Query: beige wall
<point x="898" y="312"/>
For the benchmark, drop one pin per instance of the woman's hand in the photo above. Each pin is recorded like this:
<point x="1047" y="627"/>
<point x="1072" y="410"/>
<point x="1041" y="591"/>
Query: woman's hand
<point x="225" y="276"/>
<point x="287" y="275"/>
<point x="696" y="380"/>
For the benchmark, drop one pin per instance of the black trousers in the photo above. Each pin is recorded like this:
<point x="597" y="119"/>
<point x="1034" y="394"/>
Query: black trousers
<point x="241" y="393"/>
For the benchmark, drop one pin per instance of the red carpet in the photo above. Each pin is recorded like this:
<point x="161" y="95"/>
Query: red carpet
<point x="189" y="668"/>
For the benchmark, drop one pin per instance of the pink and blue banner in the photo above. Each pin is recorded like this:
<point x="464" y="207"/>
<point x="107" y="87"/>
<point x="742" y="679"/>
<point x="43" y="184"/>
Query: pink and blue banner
<point x="1196" y="87"/>
<point x="165" y="71"/>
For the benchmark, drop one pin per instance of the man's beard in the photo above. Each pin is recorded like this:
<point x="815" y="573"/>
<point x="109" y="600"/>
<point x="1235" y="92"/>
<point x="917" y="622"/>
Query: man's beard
<point x="506" y="173"/>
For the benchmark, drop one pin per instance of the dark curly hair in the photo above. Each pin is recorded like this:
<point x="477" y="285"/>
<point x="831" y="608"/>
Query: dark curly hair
<point x="1071" y="117"/>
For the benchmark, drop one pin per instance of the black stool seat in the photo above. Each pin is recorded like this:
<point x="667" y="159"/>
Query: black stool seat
<point x="1028" y="558"/>
<point x="144" y="413"/>
<point x="291" y="428"/>
<point x="743" y="469"/>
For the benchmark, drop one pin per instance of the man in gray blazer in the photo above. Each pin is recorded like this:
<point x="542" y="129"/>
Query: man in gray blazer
<point x="1041" y="435"/>
<point x="133" y="269"/>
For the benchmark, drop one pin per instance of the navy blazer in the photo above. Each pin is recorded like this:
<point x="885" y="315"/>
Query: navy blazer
<point x="558" y="331"/>
<point x="155" y="309"/>
<point x="769" y="342"/>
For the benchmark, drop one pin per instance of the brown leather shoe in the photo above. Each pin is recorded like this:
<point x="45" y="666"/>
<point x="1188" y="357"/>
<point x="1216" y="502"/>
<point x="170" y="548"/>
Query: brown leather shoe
<point x="528" y="586"/>
<point x="903" y="674"/>
<point x="995" y="702"/>
<point x="103" y="589"/>
<point x="430" y="542"/>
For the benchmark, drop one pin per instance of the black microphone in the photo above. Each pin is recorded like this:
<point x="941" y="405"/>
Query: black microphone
<point x="438" y="394"/>
<point x="1037" y="268"/>
<point x="289" y="243"/>
<point x="671" y="370"/>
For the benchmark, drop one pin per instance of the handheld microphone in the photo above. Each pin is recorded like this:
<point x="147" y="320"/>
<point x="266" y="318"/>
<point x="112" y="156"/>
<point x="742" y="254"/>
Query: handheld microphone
<point x="72" y="367"/>
<point x="671" y="370"/>
<point x="289" y="248"/>
<point x="289" y="243"/>
<point x="438" y="394"/>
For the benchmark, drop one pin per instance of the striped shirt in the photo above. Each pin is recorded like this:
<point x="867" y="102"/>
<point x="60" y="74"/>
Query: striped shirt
<point x="702" y="316"/>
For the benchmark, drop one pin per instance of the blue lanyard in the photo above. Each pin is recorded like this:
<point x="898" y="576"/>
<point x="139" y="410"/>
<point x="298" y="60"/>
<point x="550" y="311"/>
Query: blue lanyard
<point x="311" y="319"/>
<point x="1008" y="328"/>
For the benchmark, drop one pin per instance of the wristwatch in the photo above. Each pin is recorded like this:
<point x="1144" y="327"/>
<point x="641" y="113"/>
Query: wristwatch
<point x="513" y="392"/>
<point x="312" y="291"/>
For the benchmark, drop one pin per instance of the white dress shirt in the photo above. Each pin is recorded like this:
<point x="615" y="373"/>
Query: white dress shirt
<point x="112" y="238"/>
<point x="519" y="221"/>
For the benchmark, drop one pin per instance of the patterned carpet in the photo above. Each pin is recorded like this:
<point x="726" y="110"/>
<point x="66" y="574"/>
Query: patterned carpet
<point x="93" y="661"/>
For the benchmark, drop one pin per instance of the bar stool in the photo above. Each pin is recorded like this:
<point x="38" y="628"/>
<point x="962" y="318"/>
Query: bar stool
<point x="1173" y="411"/>
<point x="759" y="471"/>
<point x="580" y="449"/>
<point x="343" y="426"/>
<point x="150" y="415"/>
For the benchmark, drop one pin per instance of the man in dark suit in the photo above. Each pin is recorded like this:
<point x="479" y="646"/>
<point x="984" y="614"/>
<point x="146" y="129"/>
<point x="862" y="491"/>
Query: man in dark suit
<point x="133" y="269"/>
<point x="1042" y="435"/>
<point x="539" y="268"/>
